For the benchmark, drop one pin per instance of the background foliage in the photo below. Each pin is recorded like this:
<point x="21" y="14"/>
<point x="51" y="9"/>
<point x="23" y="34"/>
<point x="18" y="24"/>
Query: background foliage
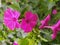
<point x="42" y="8"/>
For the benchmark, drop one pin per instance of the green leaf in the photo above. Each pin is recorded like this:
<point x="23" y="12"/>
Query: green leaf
<point x="4" y="27"/>
<point x="43" y="39"/>
<point x="50" y="5"/>
<point x="15" y="5"/>
<point x="1" y="38"/>
<point x="31" y="42"/>
<point x="24" y="42"/>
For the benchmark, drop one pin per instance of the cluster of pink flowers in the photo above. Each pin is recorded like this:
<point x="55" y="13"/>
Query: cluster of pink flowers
<point x="55" y="28"/>
<point x="29" y="21"/>
<point x="27" y="24"/>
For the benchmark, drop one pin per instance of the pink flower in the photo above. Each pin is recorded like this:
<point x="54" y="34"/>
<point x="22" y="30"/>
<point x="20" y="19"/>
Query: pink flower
<point x="54" y="35"/>
<point x="55" y="28"/>
<point x="54" y="12"/>
<point x="11" y="18"/>
<point x="15" y="43"/>
<point x="44" y="22"/>
<point x="29" y="21"/>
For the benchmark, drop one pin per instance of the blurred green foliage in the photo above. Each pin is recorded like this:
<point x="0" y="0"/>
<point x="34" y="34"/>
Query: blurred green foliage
<point x="42" y="8"/>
